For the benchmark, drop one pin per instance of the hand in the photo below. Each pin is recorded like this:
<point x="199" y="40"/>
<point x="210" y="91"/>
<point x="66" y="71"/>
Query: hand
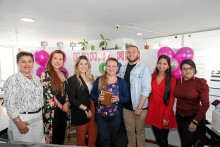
<point x="165" y="122"/>
<point x="138" y="112"/>
<point x="192" y="127"/>
<point x="65" y="107"/>
<point x="114" y="99"/>
<point x="88" y="114"/>
<point x="22" y="126"/>
<point x="101" y="97"/>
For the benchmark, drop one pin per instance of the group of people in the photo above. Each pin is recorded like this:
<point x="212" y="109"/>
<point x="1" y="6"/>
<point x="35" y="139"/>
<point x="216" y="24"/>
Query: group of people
<point x="139" y="98"/>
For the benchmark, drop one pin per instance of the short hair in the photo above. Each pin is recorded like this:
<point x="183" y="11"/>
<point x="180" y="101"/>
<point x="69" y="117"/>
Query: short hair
<point x="190" y="62"/>
<point x="133" y="46"/>
<point x="24" y="53"/>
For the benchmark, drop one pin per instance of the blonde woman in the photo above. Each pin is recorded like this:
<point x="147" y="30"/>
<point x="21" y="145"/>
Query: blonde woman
<point x="82" y="110"/>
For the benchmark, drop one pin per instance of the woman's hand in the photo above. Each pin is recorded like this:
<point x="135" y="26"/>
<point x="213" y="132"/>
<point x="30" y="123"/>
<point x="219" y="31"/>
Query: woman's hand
<point x="165" y="122"/>
<point x="101" y="97"/>
<point x="65" y="107"/>
<point x="114" y="99"/>
<point x="192" y="126"/>
<point x="88" y="114"/>
<point x="22" y="126"/>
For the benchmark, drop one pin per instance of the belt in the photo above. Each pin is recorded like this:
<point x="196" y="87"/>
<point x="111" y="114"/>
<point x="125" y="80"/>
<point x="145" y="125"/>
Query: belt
<point x="31" y="112"/>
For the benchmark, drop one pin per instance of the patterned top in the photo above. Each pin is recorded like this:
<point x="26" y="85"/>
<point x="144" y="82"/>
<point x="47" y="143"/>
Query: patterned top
<point x="112" y="110"/>
<point x="50" y="103"/>
<point x="21" y="95"/>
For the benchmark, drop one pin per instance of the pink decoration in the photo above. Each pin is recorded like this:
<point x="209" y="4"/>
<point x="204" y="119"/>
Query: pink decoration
<point x="41" y="57"/>
<point x="177" y="73"/>
<point x="165" y="51"/>
<point x="65" y="70"/>
<point x="40" y="70"/>
<point x="184" y="53"/>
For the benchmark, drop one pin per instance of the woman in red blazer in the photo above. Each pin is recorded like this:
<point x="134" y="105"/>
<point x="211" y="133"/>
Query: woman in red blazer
<point x="160" y="110"/>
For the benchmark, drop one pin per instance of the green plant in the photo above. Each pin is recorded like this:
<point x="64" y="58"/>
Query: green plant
<point x="84" y="44"/>
<point x="104" y="41"/>
<point x="128" y="44"/>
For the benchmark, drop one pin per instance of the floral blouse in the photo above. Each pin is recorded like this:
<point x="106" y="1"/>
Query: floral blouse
<point x="21" y="95"/>
<point x="50" y="103"/>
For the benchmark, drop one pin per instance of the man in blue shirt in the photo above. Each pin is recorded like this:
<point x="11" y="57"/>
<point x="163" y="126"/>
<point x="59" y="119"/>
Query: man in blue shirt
<point x="138" y="79"/>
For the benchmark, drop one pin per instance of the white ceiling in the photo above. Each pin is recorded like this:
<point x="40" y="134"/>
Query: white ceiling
<point x="78" y="19"/>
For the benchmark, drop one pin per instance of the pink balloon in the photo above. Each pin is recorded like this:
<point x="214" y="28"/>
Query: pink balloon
<point x="184" y="53"/>
<point x="165" y="51"/>
<point x="40" y="70"/>
<point x="41" y="57"/>
<point x="65" y="70"/>
<point x="177" y="73"/>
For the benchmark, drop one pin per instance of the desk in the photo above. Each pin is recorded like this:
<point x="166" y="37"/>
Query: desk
<point x="212" y="136"/>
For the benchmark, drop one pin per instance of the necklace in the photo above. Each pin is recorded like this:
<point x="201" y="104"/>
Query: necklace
<point x="29" y="77"/>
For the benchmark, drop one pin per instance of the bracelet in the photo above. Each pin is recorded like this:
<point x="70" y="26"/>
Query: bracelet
<point x="87" y="109"/>
<point x="139" y="107"/>
<point x="194" y="123"/>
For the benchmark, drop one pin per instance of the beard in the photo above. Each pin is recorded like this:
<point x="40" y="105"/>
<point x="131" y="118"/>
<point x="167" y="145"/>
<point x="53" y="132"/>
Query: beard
<point x="132" y="61"/>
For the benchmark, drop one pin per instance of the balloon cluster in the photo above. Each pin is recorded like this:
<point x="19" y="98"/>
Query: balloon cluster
<point x="41" y="57"/>
<point x="176" y="59"/>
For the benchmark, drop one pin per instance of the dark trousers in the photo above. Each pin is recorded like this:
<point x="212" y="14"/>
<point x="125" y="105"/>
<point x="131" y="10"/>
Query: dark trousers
<point x="161" y="136"/>
<point x="59" y="126"/>
<point x="189" y="138"/>
<point x="108" y="129"/>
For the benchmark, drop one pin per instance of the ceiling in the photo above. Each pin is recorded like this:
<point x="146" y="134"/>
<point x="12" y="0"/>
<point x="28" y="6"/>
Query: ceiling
<point x="78" y="19"/>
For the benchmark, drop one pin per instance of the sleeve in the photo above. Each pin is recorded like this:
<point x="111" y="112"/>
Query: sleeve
<point x="72" y="92"/>
<point x="203" y="90"/>
<point x="124" y="98"/>
<point x="10" y="96"/>
<point x="146" y="82"/>
<point x="94" y="92"/>
<point x="169" y="108"/>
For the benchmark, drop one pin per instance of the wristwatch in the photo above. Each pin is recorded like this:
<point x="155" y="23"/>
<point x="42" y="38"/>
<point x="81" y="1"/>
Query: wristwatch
<point x="139" y="107"/>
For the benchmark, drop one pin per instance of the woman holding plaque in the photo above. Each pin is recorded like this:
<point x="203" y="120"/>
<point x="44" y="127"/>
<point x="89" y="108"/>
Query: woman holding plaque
<point x="109" y="116"/>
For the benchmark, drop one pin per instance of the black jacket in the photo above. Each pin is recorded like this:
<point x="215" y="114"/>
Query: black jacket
<point x="78" y="95"/>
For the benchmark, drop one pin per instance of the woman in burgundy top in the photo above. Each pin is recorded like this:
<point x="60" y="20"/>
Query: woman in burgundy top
<point x="192" y="95"/>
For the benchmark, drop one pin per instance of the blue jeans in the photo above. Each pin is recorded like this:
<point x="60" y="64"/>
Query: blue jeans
<point x="108" y="129"/>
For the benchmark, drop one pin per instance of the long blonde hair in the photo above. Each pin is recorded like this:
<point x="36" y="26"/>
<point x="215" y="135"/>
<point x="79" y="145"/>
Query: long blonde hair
<point x="88" y="74"/>
<point x="103" y="81"/>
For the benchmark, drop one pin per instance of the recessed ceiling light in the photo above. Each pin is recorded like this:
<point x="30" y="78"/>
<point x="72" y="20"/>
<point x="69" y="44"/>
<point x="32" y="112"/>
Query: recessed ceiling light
<point x="139" y="34"/>
<point x="25" y="19"/>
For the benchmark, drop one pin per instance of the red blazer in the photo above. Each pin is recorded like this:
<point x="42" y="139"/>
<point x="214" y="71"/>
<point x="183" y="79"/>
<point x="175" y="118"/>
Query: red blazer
<point x="157" y="110"/>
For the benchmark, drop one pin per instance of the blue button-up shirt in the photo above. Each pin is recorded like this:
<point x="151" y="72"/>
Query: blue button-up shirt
<point x="140" y="83"/>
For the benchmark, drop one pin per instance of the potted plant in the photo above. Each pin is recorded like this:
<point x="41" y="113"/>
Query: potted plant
<point x="127" y="45"/>
<point x="84" y="44"/>
<point x="92" y="47"/>
<point x="146" y="46"/>
<point x="116" y="47"/>
<point x="104" y="42"/>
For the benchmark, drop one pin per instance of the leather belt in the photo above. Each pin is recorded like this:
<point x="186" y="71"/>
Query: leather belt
<point x="31" y="112"/>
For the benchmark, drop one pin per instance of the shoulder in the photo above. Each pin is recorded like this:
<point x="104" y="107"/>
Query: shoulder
<point x="173" y="79"/>
<point x="201" y="84"/>
<point x="120" y="80"/>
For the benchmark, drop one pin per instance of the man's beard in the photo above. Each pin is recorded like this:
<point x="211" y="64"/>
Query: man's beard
<point x="132" y="61"/>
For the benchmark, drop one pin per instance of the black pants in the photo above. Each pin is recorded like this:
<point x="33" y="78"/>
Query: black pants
<point x="189" y="138"/>
<point x="59" y="126"/>
<point x="161" y="136"/>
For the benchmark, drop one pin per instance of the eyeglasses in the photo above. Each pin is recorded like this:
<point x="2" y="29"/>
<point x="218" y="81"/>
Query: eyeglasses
<point x="189" y="68"/>
<point x="134" y="52"/>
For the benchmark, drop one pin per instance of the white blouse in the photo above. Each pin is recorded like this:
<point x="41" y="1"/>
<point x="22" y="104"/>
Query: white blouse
<point x="21" y="95"/>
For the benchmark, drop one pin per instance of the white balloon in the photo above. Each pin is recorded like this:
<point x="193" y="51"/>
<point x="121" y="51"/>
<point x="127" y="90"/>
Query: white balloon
<point x="174" y="64"/>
